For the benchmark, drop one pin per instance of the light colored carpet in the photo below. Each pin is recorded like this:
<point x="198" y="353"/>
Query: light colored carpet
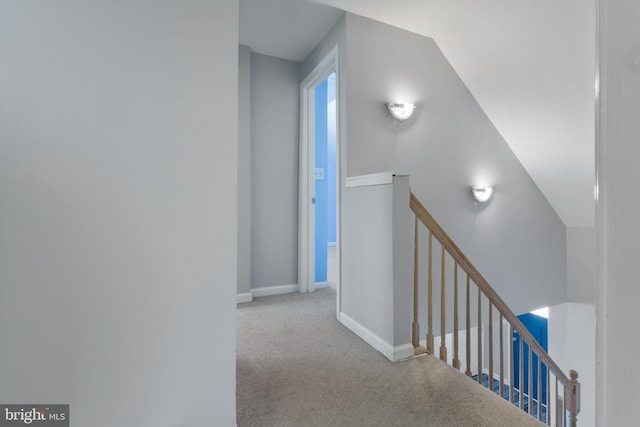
<point x="298" y="367"/>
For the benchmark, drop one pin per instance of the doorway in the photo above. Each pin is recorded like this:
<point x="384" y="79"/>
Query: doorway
<point x="319" y="198"/>
<point x="538" y="325"/>
<point x="325" y="183"/>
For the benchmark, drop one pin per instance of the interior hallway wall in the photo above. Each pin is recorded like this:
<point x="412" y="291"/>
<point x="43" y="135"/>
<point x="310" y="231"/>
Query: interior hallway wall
<point x="581" y="265"/>
<point x="572" y="345"/>
<point x="516" y="240"/>
<point x="618" y="210"/>
<point x="118" y="256"/>
<point x="275" y="113"/>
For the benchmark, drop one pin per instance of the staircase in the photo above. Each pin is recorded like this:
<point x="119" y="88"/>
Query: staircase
<point x="465" y="318"/>
<point x="492" y="324"/>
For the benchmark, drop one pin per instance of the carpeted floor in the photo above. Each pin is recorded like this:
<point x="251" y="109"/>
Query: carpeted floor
<point x="298" y="367"/>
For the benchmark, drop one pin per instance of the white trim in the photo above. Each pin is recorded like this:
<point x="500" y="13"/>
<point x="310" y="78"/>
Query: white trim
<point x="306" y="271"/>
<point x="321" y="285"/>
<point x="402" y="352"/>
<point x="394" y="354"/>
<point x="273" y="290"/>
<point x="603" y="365"/>
<point x="341" y="161"/>
<point x="380" y="178"/>
<point x="244" y="297"/>
<point x="367" y="336"/>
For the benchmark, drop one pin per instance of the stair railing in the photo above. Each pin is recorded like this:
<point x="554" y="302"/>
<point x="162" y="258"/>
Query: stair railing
<point x="530" y="397"/>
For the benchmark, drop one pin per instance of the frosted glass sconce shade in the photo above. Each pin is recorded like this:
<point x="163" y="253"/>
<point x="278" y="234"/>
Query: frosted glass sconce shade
<point x="401" y="111"/>
<point x="482" y="194"/>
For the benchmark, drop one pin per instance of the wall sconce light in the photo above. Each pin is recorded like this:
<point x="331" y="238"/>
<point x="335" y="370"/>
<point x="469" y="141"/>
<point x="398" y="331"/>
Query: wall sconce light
<point x="482" y="194"/>
<point x="401" y="111"/>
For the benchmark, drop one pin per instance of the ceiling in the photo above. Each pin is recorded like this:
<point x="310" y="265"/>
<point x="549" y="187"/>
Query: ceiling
<point x="530" y="64"/>
<point x="287" y="29"/>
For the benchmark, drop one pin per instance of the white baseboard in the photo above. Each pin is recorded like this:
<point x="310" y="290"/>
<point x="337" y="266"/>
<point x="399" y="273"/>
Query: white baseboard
<point x="244" y="297"/>
<point x="402" y="352"/>
<point x="273" y="290"/>
<point x="394" y="354"/>
<point x="322" y="285"/>
<point x="265" y="292"/>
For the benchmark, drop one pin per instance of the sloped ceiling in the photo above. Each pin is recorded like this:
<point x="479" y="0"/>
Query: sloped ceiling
<point x="530" y="65"/>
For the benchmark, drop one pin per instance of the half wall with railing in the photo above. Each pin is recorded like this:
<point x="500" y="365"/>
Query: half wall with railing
<point x="387" y="234"/>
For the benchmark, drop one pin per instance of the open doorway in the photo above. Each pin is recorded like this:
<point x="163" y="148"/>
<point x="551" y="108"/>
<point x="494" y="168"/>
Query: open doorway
<point x="319" y="202"/>
<point x="537" y="323"/>
<point x="325" y="189"/>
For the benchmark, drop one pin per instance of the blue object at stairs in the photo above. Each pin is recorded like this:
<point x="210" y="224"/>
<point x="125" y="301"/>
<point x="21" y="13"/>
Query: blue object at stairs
<point x="516" y="397"/>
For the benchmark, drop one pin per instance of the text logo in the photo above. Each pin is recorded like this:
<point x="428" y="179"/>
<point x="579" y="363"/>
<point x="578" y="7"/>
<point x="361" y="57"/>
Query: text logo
<point x="34" y="415"/>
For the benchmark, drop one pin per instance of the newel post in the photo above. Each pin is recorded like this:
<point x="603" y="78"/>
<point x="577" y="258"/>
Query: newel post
<point x="572" y="399"/>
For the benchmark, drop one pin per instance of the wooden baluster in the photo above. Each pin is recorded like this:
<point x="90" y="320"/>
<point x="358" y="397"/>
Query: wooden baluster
<point x="530" y="354"/>
<point x="501" y="357"/>
<point x="490" y="382"/>
<point x="559" y="409"/>
<point x="548" y="396"/>
<point x="443" y="330"/>
<point x="456" y="361"/>
<point x="430" y="297"/>
<point x="512" y="373"/>
<point x="539" y="388"/>
<point x="469" y="373"/>
<point x="479" y="336"/>
<point x="521" y="373"/>
<point x="415" y="326"/>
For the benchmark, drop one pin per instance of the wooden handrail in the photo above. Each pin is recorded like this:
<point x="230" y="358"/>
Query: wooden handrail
<point x="425" y="217"/>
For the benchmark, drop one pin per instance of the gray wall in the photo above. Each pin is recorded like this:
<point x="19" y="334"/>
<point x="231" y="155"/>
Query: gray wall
<point x="244" y="169"/>
<point x="337" y="35"/>
<point x="517" y="241"/>
<point x="275" y="112"/>
<point x="118" y="215"/>
<point x="618" y="210"/>
<point x="581" y="265"/>
<point x="367" y="292"/>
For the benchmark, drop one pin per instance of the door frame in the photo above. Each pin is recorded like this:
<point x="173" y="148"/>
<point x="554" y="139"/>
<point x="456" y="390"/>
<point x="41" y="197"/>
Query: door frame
<point x="306" y="214"/>
<point x="542" y="336"/>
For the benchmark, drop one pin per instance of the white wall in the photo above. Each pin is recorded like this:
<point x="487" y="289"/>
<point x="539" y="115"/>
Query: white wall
<point x="244" y="169"/>
<point x="618" y="210"/>
<point x="275" y="116"/>
<point x="572" y="345"/>
<point x="517" y="241"/>
<point x="572" y="332"/>
<point x="581" y="265"/>
<point x="473" y="351"/>
<point x="118" y="216"/>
